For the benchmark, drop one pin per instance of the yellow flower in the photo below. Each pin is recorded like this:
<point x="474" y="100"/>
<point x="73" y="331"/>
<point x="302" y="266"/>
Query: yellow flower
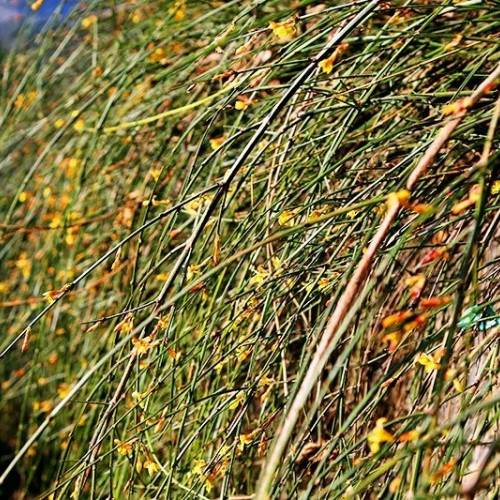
<point x="451" y="373"/>
<point x="265" y="381"/>
<point x="443" y="471"/>
<point x="495" y="188"/>
<point x="207" y="484"/>
<point x="79" y="125"/>
<point x="199" y="466"/>
<point x="243" y="103"/>
<point x="379" y="435"/>
<point x="155" y="173"/>
<point x="164" y="321"/>
<point x="192" y="271"/>
<point x="399" y="198"/>
<point x="244" y="440"/>
<point x="240" y="397"/>
<point x="394" y="338"/>
<point x="63" y="390"/>
<point x="326" y="65"/>
<point x="59" y="123"/>
<point x="260" y="276"/>
<point x="409" y="436"/>
<point x="125" y="326"/>
<point x="459" y="387"/>
<point x="151" y="466"/>
<point x="24" y="265"/>
<point x="216" y="142"/>
<point x="36" y="5"/>
<point x="142" y="346"/>
<point x="430" y="363"/>
<point x="285" y="30"/>
<point x="178" y="10"/>
<point x="242" y="353"/>
<point x="87" y="22"/>
<point x="43" y="406"/>
<point x="124" y="447"/>
<point x="453" y="43"/>
<point x="53" y="295"/>
<point x="317" y="213"/>
<point x="158" y="55"/>
<point x="287" y="218"/>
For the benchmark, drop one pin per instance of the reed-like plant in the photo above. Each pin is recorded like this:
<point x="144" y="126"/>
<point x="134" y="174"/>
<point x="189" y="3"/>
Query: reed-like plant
<point x="250" y="249"/>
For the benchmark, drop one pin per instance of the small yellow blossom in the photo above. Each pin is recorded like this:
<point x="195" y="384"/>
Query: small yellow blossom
<point x="243" y="103"/>
<point x="56" y="222"/>
<point x="124" y="447"/>
<point x="125" y="326"/>
<point x="244" y="440"/>
<point x="399" y="198"/>
<point x="453" y="43"/>
<point x="284" y="30"/>
<point x="379" y="435"/>
<point x="178" y="10"/>
<point x="242" y="353"/>
<point x="459" y="387"/>
<point x="155" y="173"/>
<point x="43" y="406"/>
<point x="216" y="142"/>
<point x="443" y="471"/>
<point x="35" y="6"/>
<point x="192" y="271"/>
<point x="287" y="218"/>
<point x="260" y="276"/>
<point x="409" y="436"/>
<point x="394" y="338"/>
<point x="24" y="265"/>
<point x="63" y="390"/>
<point x="430" y="363"/>
<point x="142" y="346"/>
<point x="240" y="397"/>
<point x="59" y="123"/>
<point x="87" y="22"/>
<point x="158" y="55"/>
<point x="151" y="466"/>
<point x="164" y="321"/>
<point x="317" y="213"/>
<point x="79" y="125"/>
<point x="495" y="188"/>
<point x="326" y="65"/>
<point x="199" y="467"/>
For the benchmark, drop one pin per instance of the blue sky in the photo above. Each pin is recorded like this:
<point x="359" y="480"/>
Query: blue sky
<point x="16" y="13"/>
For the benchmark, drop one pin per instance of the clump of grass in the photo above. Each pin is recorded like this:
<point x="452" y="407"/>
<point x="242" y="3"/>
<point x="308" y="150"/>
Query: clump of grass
<point x="252" y="239"/>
